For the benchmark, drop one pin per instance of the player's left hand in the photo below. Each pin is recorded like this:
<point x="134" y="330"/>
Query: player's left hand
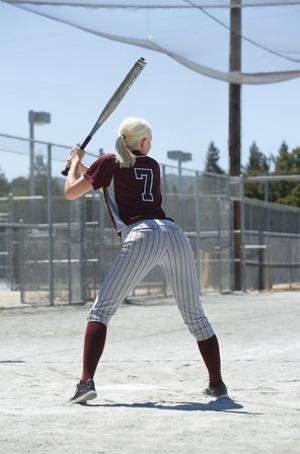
<point x="76" y="153"/>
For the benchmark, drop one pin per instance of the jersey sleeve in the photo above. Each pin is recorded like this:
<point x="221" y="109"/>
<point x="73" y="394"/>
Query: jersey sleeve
<point x="100" y="172"/>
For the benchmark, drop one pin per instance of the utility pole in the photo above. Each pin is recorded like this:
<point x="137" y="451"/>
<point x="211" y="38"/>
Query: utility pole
<point x="235" y="126"/>
<point x="235" y="90"/>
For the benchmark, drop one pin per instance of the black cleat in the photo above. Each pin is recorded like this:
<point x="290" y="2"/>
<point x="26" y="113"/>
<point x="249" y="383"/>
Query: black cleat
<point x="218" y="390"/>
<point x="84" y="391"/>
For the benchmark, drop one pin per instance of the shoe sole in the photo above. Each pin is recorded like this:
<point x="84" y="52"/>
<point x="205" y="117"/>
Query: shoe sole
<point x="222" y="395"/>
<point x="85" y="397"/>
<point x="213" y="395"/>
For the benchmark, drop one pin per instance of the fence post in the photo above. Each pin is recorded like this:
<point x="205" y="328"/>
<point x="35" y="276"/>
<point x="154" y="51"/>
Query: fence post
<point x="101" y="239"/>
<point x="21" y="262"/>
<point x="50" y="225"/>
<point x="83" y="261"/>
<point x="261" y="262"/>
<point x="290" y="263"/>
<point x="197" y="216"/>
<point x="269" y="265"/>
<point x="164" y="199"/>
<point x="101" y="251"/>
<point x="232" y="248"/>
<point x="219" y="247"/>
<point x="242" y="234"/>
<point x="10" y="242"/>
<point x="69" y="249"/>
<point x="266" y="206"/>
<point x="164" y="186"/>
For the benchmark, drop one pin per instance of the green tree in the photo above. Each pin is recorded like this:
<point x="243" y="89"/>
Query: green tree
<point x="19" y="186"/>
<point x="41" y="178"/>
<point x="212" y="159"/>
<point x="286" y="163"/>
<point x="4" y="184"/>
<point x="258" y="164"/>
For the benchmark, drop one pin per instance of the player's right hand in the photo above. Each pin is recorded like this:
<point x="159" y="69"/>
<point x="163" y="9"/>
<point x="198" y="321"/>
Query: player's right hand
<point x="81" y="167"/>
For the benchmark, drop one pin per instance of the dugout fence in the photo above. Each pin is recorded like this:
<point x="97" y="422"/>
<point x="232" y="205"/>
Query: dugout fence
<point x="66" y="261"/>
<point x="54" y="251"/>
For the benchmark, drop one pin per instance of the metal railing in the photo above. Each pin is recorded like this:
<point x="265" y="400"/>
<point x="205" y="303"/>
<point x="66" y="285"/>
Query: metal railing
<point x="53" y="250"/>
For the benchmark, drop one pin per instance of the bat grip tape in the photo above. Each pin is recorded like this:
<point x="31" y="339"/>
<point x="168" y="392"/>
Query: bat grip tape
<point x="65" y="172"/>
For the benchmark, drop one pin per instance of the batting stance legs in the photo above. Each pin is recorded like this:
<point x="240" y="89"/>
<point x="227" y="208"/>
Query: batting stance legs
<point x="150" y="243"/>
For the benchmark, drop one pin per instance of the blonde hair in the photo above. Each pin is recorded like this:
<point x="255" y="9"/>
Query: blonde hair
<point x="131" y="131"/>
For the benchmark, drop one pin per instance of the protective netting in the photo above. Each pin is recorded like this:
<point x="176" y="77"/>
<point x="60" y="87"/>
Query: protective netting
<point x="194" y="33"/>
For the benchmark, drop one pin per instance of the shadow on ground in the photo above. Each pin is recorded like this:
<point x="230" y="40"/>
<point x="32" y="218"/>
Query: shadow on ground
<point x="223" y="404"/>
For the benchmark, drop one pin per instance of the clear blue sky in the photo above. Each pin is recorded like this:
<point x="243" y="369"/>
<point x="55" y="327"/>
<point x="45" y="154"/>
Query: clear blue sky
<point x="49" y="66"/>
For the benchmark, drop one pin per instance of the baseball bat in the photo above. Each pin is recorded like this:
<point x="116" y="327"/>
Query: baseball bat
<point x="113" y="102"/>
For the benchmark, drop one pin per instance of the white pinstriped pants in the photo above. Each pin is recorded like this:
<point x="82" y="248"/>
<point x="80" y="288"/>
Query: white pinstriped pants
<point x="146" y="244"/>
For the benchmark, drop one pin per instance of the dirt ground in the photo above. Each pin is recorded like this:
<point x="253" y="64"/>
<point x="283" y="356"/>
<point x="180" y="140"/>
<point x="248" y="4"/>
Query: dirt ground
<point x="150" y="380"/>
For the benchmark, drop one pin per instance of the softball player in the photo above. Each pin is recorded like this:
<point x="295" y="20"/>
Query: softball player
<point x="130" y="181"/>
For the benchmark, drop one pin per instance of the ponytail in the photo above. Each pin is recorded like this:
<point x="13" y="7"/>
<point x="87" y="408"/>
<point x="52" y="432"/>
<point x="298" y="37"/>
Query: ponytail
<point x="125" y="158"/>
<point x="131" y="131"/>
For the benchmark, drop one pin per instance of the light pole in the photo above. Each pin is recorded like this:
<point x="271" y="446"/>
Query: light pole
<point x="180" y="156"/>
<point x="35" y="118"/>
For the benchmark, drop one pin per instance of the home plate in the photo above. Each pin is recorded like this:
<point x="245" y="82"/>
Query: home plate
<point x="131" y="387"/>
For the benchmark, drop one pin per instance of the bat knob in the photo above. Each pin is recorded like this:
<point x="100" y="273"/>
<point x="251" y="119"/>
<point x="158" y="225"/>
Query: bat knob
<point x="65" y="172"/>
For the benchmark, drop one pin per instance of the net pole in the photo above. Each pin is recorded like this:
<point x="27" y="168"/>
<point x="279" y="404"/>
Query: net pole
<point x="235" y="126"/>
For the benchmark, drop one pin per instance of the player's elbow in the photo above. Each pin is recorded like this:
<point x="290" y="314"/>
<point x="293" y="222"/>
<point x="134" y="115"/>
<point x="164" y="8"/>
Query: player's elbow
<point x="74" y="190"/>
<point x="69" y="194"/>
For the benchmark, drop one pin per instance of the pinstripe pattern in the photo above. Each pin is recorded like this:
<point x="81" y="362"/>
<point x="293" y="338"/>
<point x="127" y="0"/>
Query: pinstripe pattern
<point x="150" y="243"/>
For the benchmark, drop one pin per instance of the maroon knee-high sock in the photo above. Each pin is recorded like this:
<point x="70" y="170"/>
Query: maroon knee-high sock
<point x="94" y="341"/>
<point x="210" y="352"/>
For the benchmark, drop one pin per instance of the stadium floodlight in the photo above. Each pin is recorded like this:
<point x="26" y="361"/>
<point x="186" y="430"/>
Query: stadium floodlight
<point x="180" y="157"/>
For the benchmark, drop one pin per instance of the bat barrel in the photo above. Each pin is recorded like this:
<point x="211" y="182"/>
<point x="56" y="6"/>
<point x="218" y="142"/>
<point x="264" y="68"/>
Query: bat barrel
<point x="114" y="101"/>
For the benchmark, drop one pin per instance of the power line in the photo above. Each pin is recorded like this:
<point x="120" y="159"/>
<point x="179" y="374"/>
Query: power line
<point x="249" y="40"/>
<point x="94" y="5"/>
<point x="25" y="154"/>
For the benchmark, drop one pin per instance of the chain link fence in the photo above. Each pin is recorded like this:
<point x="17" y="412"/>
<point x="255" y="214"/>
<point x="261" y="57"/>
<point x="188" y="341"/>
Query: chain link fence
<point x="57" y="251"/>
<point x="269" y="237"/>
<point x="271" y="260"/>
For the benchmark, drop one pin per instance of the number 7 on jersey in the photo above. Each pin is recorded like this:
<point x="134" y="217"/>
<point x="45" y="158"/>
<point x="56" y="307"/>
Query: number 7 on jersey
<point x="147" y="176"/>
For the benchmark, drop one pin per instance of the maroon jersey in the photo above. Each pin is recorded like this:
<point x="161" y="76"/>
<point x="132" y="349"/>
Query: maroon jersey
<point x="131" y="194"/>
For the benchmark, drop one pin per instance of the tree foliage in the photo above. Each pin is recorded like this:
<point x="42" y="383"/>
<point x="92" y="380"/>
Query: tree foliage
<point x="4" y="184"/>
<point x="258" y="164"/>
<point x="286" y="162"/>
<point x="19" y="186"/>
<point x="258" y="161"/>
<point x="212" y="159"/>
